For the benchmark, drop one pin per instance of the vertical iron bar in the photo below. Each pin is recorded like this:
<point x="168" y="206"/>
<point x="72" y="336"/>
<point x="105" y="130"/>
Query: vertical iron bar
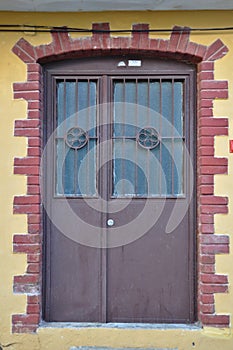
<point x="88" y="143"/>
<point x="148" y="123"/>
<point x="76" y="151"/>
<point x="123" y="145"/>
<point x="172" y="136"/>
<point x="64" y="144"/>
<point x="136" y="144"/>
<point x="161" y="143"/>
<point x="104" y="194"/>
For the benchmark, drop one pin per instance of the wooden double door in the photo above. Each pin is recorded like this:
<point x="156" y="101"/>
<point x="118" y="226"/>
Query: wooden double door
<point x="119" y="209"/>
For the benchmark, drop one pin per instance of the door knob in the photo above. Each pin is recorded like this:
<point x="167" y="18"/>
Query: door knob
<point x="110" y="222"/>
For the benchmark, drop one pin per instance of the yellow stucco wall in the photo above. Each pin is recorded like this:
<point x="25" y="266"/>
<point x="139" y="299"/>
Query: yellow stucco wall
<point x="12" y="69"/>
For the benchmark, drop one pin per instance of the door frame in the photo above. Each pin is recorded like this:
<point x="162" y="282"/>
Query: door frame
<point x="67" y="69"/>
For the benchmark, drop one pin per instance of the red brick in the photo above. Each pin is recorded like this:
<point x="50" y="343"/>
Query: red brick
<point x="206" y="179"/>
<point x="125" y="43"/>
<point x="212" y="169"/>
<point x="201" y="50"/>
<point x="214" y="84"/>
<point x="26" y="238"/>
<point x="213" y="48"/>
<point x="214" y="94"/>
<point x="25" y="51"/>
<point x="206" y="141"/>
<point x="214" y="279"/>
<point x="33" y="180"/>
<point x="206" y="75"/>
<point x="33" y="268"/>
<point x="205" y="66"/>
<point x="32" y="105"/>
<point x="34" y="151"/>
<point x="207" y="219"/>
<point x="215" y="319"/>
<point x="214" y="209"/>
<point x="206" y="112"/>
<point x="207" y="228"/>
<point x="34" y="228"/>
<point x="140" y="39"/>
<point x="40" y="51"/>
<point x="214" y="248"/>
<point x="176" y="34"/>
<point x="163" y="45"/>
<point x="184" y="40"/>
<point x="207" y="189"/>
<point x="27" y="209"/>
<point x="33" y="299"/>
<point x="33" y="258"/>
<point x="34" y="219"/>
<point x="34" y="141"/>
<point x="214" y="122"/>
<point x="28" y="86"/>
<point x="213" y="288"/>
<point x="26" y="170"/>
<point x="34" y="114"/>
<point x="191" y="48"/>
<point x="207" y="268"/>
<point x="26" y="319"/>
<point x="213" y="200"/>
<point x="221" y="53"/>
<point x="27" y="132"/>
<point x="206" y="151"/>
<point x="18" y="328"/>
<point x="34" y="67"/>
<point x="33" y="189"/>
<point x="26" y="279"/>
<point x="27" y="95"/>
<point x="214" y="239"/>
<point x="207" y="308"/>
<point x="27" y="161"/>
<point x="27" y="123"/>
<point x="33" y="76"/>
<point x="26" y="199"/>
<point x="207" y="298"/>
<point x="207" y="259"/>
<point x="27" y="248"/>
<point x="154" y="44"/>
<point x="213" y="131"/>
<point x="33" y="309"/>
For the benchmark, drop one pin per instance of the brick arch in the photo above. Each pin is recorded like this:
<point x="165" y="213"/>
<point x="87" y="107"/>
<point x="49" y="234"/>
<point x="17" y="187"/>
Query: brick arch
<point x="178" y="47"/>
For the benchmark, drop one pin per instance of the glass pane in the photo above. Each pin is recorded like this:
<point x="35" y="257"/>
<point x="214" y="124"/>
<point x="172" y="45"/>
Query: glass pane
<point x="76" y="138"/>
<point x="144" y="171"/>
<point x="178" y="107"/>
<point x="166" y="181"/>
<point x="178" y="167"/>
<point x="166" y="108"/>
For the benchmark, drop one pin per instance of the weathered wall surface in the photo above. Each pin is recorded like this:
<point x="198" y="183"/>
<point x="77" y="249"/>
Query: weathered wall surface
<point x="14" y="70"/>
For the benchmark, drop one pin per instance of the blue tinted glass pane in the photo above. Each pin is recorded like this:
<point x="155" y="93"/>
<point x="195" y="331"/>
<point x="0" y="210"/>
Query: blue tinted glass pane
<point x="166" y="178"/>
<point x="143" y="93"/>
<point x="92" y="112"/>
<point x="73" y="97"/>
<point x="154" y="101"/>
<point x="154" y="171"/>
<point x="60" y="106"/>
<point x="59" y="172"/>
<point x="166" y="108"/>
<point x="178" y="107"/>
<point x="154" y="105"/>
<point x="86" y="169"/>
<point x="178" y="167"/>
<point x="118" y="108"/>
<point x="68" y="169"/>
